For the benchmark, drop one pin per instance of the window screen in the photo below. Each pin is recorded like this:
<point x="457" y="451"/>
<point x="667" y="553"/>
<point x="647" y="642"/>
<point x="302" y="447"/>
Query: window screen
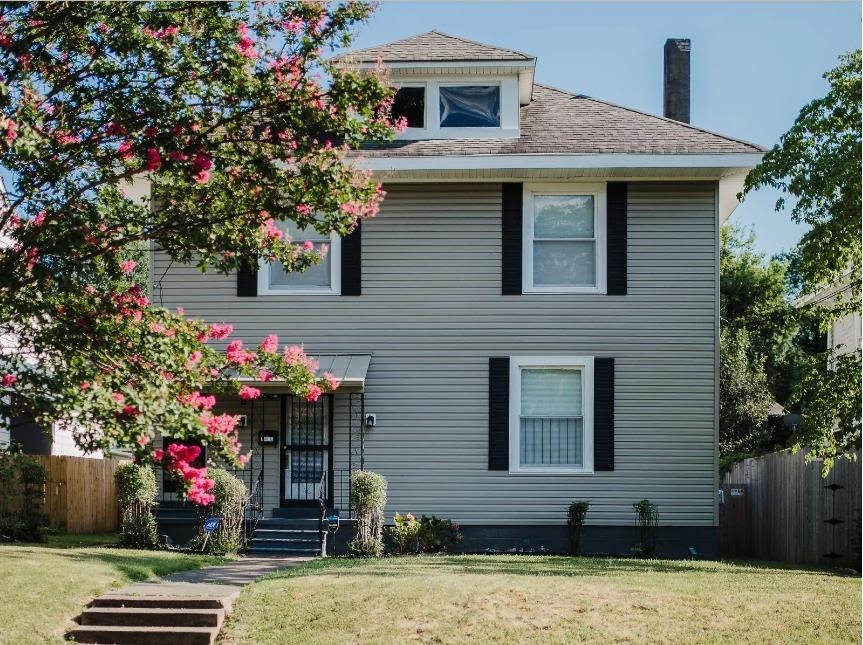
<point x="470" y="106"/>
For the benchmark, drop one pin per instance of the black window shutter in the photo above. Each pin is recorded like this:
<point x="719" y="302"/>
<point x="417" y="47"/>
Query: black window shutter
<point x="616" y="250"/>
<point x="603" y="414"/>
<point x="498" y="413"/>
<point x="511" y="233"/>
<point x="352" y="263"/>
<point x="247" y="280"/>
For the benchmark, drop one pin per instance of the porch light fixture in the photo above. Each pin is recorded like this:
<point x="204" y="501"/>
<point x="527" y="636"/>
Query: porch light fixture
<point x="371" y="420"/>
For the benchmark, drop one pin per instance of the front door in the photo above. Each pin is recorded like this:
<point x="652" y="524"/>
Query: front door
<point x="306" y="451"/>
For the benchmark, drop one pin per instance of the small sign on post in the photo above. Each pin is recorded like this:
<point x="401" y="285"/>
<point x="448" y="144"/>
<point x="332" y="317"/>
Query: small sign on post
<point x="737" y="492"/>
<point x="210" y="525"/>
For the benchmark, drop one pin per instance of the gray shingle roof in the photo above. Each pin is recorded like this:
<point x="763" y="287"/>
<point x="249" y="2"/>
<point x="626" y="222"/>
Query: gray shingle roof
<point x="558" y="122"/>
<point x="433" y="46"/>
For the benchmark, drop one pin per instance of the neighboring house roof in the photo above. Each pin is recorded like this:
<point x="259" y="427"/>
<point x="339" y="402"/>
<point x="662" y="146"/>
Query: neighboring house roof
<point x="432" y="46"/>
<point x="559" y="122"/>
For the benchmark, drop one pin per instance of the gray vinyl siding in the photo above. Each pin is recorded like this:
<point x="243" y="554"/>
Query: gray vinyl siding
<point x="432" y="313"/>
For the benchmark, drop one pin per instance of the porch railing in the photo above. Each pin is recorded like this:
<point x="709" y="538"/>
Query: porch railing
<point x="342" y="492"/>
<point x="253" y="509"/>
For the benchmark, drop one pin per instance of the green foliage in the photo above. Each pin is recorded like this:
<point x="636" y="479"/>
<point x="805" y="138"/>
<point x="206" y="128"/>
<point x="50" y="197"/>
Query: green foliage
<point x="817" y="162"/>
<point x="238" y="121"/>
<point x="404" y="533"/>
<point x="136" y="492"/>
<point x="830" y="393"/>
<point x="647" y="521"/>
<point x="230" y="504"/>
<point x="744" y="398"/>
<point x="437" y="534"/>
<point x="575" y="516"/>
<point x="22" y="481"/>
<point x="368" y="498"/>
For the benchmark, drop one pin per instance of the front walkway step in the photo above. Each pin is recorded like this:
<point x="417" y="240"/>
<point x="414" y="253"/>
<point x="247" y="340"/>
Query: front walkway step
<point x="144" y="635"/>
<point x="157" y="601"/>
<point x="152" y="617"/>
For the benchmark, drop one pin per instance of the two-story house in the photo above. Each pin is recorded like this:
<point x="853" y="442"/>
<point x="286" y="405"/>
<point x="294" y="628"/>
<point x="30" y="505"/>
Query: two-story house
<point x="531" y="319"/>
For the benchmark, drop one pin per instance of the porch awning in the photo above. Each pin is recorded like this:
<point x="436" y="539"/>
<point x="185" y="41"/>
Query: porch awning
<point x="349" y="369"/>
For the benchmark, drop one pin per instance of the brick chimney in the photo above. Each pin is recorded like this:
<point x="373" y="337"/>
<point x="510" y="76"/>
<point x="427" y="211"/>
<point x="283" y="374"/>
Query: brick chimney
<point x="676" y="79"/>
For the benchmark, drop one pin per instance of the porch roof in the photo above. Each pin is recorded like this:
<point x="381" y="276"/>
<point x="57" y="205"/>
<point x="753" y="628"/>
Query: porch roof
<point x="349" y="369"/>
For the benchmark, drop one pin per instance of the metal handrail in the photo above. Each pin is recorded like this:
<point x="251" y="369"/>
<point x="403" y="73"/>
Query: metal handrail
<point x="255" y="504"/>
<point x="322" y="502"/>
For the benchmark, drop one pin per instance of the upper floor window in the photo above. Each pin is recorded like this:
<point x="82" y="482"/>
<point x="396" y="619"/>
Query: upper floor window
<point x="410" y="103"/>
<point x="469" y="106"/>
<point x="318" y="279"/>
<point x="564" y="239"/>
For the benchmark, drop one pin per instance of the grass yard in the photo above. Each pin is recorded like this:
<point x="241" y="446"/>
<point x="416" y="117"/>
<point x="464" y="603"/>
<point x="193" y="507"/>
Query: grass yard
<point x="541" y="599"/>
<point x="46" y="585"/>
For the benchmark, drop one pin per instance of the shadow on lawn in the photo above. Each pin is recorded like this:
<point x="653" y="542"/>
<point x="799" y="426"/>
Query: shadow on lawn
<point x="135" y="565"/>
<point x="538" y="566"/>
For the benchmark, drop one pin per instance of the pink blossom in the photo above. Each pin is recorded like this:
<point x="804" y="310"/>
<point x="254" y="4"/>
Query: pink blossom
<point x="143" y="440"/>
<point x="40" y="218"/>
<point x="400" y="124"/>
<point x="314" y="393"/>
<point x="236" y="354"/>
<point x="102" y="27"/>
<point x="32" y="257"/>
<point x="217" y="331"/>
<point x="308" y="245"/>
<point x="11" y="128"/>
<point x="304" y="209"/>
<point x="332" y="382"/>
<point x="265" y="376"/>
<point x="114" y="129"/>
<point x="294" y="26"/>
<point x="202" y="165"/>
<point x="270" y="344"/>
<point x="246" y="46"/>
<point x="118" y="397"/>
<point x="247" y="392"/>
<point x="154" y="160"/>
<point x="128" y="266"/>
<point x="130" y="410"/>
<point x="195" y="357"/>
<point x="157" y="328"/>
<point x="271" y="230"/>
<point x="8" y="379"/>
<point x="222" y="424"/>
<point x="125" y="149"/>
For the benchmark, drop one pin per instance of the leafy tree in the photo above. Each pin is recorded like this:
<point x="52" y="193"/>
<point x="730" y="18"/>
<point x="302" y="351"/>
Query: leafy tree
<point x="237" y="120"/>
<point x="744" y="398"/>
<point x="818" y="163"/>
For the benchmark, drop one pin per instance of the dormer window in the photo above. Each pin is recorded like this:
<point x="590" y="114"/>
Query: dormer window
<point x="410" y="102"/>
<point x="469" y="106"/>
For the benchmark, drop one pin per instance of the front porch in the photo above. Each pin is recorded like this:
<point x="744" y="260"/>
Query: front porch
<point x="301" y="453"/>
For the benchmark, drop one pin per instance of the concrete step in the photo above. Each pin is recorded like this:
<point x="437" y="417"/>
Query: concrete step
<point x="280" y="550"/>
<point x="307" y="524"/>
<point x="286" y="534"/>
<point x="286" y="544"/>
<point x="143" y="635"/>
<point x="152" y="617"/>
<point x="189" y="602"/>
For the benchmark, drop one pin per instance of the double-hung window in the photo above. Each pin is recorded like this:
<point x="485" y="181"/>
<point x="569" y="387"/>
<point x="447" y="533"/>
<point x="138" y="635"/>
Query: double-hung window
<point x="319" y="279"/>
<point x="564" y="238"/>
<point x="551" y="414"/>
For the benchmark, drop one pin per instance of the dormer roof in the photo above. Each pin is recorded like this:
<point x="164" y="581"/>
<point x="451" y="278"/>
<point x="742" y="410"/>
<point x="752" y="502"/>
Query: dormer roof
<point x="434" y="46"/>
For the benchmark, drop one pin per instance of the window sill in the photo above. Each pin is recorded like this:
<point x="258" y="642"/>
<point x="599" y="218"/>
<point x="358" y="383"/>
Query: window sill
<point x="298" y="292"/>
<point x="550" y="471"/>
<point x="559" y="290"/>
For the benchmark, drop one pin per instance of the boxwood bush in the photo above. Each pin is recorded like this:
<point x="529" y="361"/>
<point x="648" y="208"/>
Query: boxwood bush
<point x="369" y="497"/>
<point x="229" y="506"/>
<point x="136" y="493"/>
<point x="22" y="491"/>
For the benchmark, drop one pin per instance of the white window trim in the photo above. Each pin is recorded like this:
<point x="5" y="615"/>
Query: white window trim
<point x="335" y="288"/>
<point x="509" y="108"/>
<point x="598" y="191"/>
<point x="516" y="364"/>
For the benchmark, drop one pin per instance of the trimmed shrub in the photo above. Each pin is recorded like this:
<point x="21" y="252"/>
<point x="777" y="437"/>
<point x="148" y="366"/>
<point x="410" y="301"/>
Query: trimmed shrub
<point x="575" y="520"/>
<point x="229" y="506"/>
<point x="136" y="493"/>
<point x="368" y="497"/>
<point x="437" y="534"/>
<point x="646" y="521"/>
<point x="404" y="533"/>
<point x="22" y="484"/>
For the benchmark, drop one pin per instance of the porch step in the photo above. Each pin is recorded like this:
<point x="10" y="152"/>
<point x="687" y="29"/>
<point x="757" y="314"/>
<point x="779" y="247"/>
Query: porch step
<point x="286" y="534"/>
<point x="144" y="635"/>
<point x="296" y="543"/>
<point x="298" y="513"/>
<point x="281" y="550"/>
<point x="305" y="524"/>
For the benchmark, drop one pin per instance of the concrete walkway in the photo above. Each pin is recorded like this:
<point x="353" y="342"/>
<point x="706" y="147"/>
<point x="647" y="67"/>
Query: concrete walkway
<point x="182" y="608"/>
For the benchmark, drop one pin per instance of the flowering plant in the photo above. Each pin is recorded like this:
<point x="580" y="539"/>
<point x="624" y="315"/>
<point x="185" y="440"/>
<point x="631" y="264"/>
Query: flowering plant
<point x="236" y="120"/>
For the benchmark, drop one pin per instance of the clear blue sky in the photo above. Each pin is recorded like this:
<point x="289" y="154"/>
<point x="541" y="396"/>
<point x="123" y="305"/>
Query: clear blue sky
<point x="754" y="65"/>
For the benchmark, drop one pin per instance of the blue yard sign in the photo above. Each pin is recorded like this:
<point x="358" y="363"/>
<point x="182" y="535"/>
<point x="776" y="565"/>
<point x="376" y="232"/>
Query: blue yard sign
<point x="210" y="525"/>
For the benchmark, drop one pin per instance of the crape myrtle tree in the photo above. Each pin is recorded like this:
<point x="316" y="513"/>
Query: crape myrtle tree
<point x="233" y="114"/>
<point x="818" y="163"/>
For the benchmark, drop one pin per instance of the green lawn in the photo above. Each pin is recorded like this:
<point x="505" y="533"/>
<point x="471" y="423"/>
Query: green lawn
<point x="542" y="599"/>
<point x="46" y="585"/>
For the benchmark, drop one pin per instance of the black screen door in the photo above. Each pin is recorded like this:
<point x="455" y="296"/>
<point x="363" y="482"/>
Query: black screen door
<point x="306" y="451"/>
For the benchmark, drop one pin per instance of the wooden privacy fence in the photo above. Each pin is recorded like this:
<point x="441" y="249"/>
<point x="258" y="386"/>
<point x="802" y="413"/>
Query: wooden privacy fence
<point x="778" y="507"/>
<point x="80" y="495"/>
